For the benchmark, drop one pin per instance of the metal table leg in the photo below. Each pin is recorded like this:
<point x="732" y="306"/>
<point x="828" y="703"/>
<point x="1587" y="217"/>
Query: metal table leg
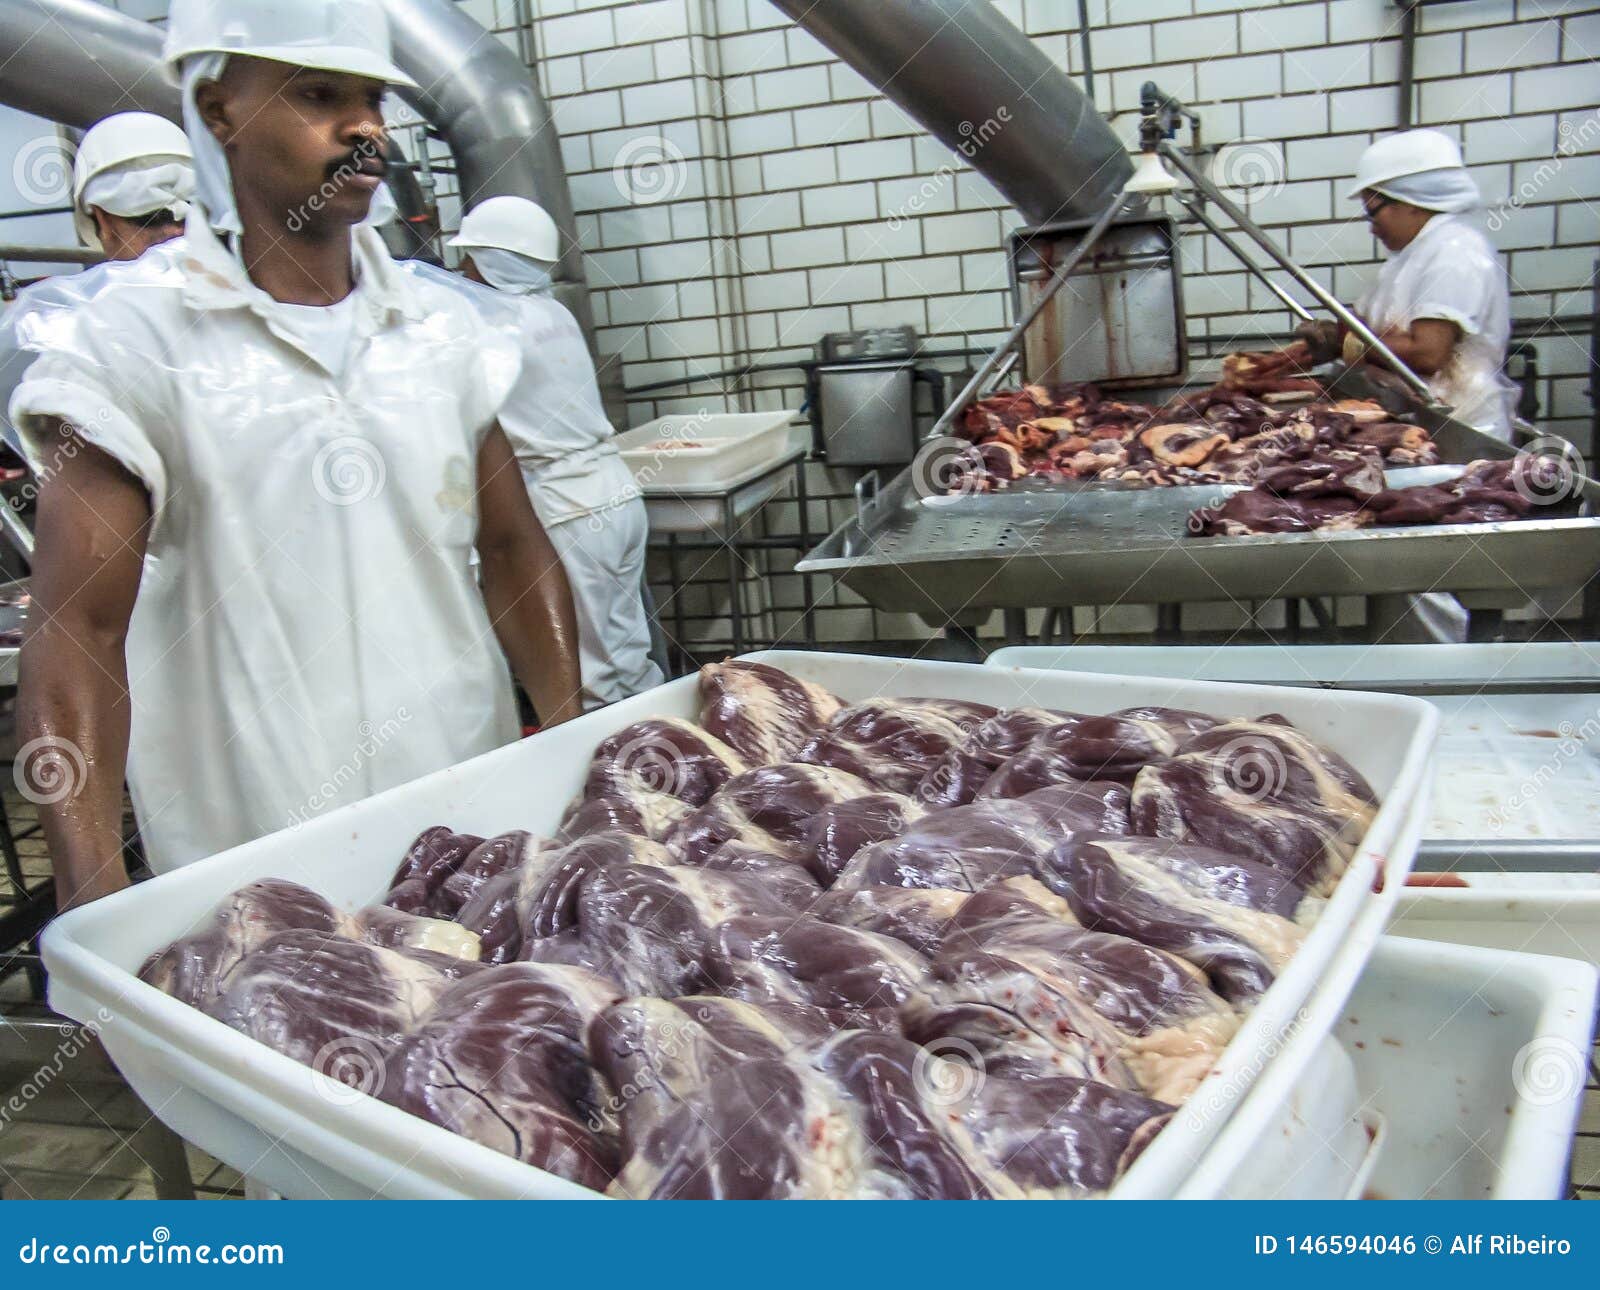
<point x="1016" y="626"/>
<point x="735" y="610"/>
<point x="678" y="628"/>
<point x="808" y="616"/>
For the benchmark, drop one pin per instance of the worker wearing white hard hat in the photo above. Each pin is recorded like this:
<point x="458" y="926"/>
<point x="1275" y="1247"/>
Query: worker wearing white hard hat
<point x="584" y="494"/>
<point x="271" y="458"/>
<point x="1441" y="302"/>
<point x="132" y="183"/>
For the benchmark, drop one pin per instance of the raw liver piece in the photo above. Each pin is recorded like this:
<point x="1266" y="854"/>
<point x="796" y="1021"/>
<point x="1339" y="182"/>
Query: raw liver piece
<point x="1261" y="790"/>
<point x="1230" y="917"/>
<point x="1114" y="748"/>
<point x="769" y="808"/>
<point x="892" y="743"/>
<point x="336" y="1005"/>
<point x="190" y="969"/>
<point x="966" y="848"/>
<point x="897" y="1097"/>
<point x="787" y="959"/>
<point x="914" y="915"/>
<point x="641" y="812"/>
<point x="762" y="713"/>
<point x="431" y="859"/>
<point x="786" y="879"/>
<point x="657" y="1054"/>
<point x="836" y="833"/>
<point x="504" y="1061"/>
<point x="662" y="755"/>
<point x="648" y="927"/>
<point x="1170" y="1026"/>
<point x="759" y="1130"/>
<point x="392" y="930"/>
<point x="489" y="859"/>
<point x="1061" y="1138"/>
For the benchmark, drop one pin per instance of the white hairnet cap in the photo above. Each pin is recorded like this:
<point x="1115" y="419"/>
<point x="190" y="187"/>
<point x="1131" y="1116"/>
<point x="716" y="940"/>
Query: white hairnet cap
<point x="1420" y="167"/>
<point x="1410" y="152"/>
<point x="130" y="164"/>
<point x="511" y="224"/>
<point x="331" y="35"/>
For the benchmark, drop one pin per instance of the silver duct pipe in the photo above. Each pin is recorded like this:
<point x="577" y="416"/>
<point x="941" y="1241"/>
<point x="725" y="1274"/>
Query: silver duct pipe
<point x="76" y="61"/>
<point x="966" y="74"/>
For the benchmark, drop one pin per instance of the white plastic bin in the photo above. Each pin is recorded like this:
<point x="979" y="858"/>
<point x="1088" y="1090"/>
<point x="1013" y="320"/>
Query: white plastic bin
<point x="1467" y="1065"/>
<point x="267" y="1115"/>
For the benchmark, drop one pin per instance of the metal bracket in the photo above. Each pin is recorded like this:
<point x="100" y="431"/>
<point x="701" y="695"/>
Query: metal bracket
<point x="866" y="491"/>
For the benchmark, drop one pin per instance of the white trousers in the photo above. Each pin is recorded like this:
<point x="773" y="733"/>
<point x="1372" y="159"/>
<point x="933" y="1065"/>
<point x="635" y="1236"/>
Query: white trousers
<point x="603" y="554"/>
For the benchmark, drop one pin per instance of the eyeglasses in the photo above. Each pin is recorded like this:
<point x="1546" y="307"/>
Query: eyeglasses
<point x="1371" y="208"/>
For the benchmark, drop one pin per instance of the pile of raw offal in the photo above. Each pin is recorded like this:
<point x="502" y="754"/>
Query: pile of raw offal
<point x="897" y="948"/>
<point x="1256" y="419"/>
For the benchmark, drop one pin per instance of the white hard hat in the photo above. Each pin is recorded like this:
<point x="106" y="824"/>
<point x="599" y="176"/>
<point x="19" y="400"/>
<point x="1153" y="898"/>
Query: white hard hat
<point x="330" y="35"/>
<point x="511" y="224"/>
<point x="116" y="143"/>
<point x="1411" y="152"/>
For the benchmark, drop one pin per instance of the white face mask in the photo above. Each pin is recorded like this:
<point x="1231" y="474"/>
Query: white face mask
<point x="510" y="272"/>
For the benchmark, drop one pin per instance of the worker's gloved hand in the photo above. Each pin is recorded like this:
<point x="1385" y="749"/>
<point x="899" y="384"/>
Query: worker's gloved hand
<point x="1322" y="337"/>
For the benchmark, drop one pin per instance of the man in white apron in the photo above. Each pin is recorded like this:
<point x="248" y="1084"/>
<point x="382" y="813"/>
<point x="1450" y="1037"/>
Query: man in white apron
<point x="303" y="442"/>
<point x="585" y="496"/>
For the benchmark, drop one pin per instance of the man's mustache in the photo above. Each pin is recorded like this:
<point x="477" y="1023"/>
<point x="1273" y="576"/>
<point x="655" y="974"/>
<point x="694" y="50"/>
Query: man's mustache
<point x="364" y="158"/>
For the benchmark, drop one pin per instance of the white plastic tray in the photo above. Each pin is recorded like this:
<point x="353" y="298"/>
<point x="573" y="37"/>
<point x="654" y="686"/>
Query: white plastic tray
<point x="735" y="443"/>
<point x="266" y="1115"/>
<point x="1473" y="1061"/>
<point x="1534" y="913"/>
<point x="1510" y="766"/>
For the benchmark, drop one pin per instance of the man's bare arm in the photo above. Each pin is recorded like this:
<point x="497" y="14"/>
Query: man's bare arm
<point x="525" y="586"/>
<point x="92" y="524"/>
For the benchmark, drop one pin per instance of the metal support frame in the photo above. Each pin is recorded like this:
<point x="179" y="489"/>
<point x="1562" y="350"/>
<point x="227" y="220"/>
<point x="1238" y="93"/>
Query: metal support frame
<point x="1216" y="230"/>
<point x="1058" y="279"/>
<point x="1325" y="297"/>
<point x="735" y="545"/>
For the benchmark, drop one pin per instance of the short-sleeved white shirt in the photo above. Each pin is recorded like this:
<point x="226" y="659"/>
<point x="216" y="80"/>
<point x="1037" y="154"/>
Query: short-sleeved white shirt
<point x="1450" y="271"/>
<point x="308" y="629"/>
